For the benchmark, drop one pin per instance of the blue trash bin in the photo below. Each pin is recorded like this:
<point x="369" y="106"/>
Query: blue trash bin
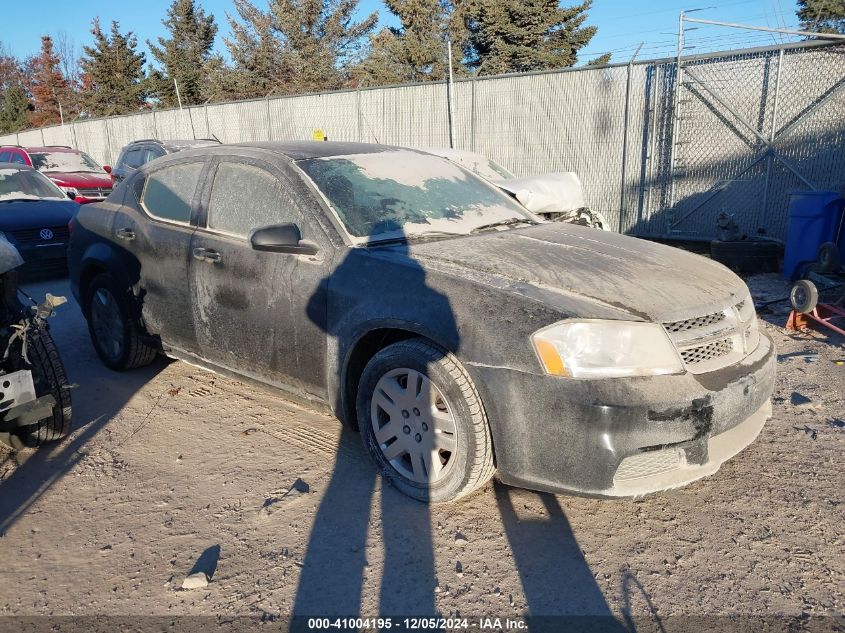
<point x="814" y="218"/>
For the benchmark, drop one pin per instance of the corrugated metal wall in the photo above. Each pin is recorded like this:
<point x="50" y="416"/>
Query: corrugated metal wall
<point x="750" y="127"/>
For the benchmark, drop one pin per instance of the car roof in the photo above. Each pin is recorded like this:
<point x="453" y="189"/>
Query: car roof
<point x="302" y="150"/>
<point x="48" y="148"/>
<point x="175" y="143"/>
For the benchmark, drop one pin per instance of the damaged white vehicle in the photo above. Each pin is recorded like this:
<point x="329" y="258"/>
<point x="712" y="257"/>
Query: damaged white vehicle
<point x="556" y="196"/>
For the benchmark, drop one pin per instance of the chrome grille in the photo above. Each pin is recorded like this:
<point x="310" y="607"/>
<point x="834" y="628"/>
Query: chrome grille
<point x="96" y="192"/>
<point x="717" y="339"/>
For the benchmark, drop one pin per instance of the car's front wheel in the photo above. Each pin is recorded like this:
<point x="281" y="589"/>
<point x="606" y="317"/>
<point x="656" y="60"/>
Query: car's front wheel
<point x="423" y="422"/>
<point x="116" y="331"/>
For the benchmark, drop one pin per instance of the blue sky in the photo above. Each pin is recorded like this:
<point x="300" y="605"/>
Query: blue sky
<point x="622" y="24"/>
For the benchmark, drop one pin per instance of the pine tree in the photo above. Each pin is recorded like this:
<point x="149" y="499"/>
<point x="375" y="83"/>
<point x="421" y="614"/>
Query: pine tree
<point x="185" y="55"/>
<point x="823" y="16"/>
<point x="524" y="35"/>
<point x="413" y="52"/>
<point x="113" y="73"/>
<point x="297" y="45"/>
<point x="48" y="87"/>
<point x="14" y="108"/>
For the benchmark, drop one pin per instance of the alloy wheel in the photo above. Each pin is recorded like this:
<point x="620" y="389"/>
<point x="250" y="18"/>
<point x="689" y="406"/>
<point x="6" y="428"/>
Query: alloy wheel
<point x="107" y="323"/>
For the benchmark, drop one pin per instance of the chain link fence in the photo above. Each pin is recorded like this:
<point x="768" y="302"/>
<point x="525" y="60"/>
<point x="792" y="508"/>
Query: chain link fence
<point x="749" y="127"/>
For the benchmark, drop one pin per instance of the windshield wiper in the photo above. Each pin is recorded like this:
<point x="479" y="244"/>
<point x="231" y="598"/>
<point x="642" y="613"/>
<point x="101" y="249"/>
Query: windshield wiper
<point x="417" y="237"/>
<point x="508" y="222"/>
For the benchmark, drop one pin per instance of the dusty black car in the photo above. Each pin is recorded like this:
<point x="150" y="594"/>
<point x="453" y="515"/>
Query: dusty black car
<point x="459" y="333"/>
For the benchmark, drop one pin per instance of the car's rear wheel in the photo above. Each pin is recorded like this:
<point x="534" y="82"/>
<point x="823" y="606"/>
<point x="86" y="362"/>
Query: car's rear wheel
<point x="423" y="422"/>
<point x="116" y="331"/>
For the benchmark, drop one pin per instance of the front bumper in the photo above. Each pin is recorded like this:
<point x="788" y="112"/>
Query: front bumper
<point x="624" y="436"/>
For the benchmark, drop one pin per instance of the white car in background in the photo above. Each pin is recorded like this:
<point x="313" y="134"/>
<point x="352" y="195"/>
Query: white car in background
<point x="557" y="196"/>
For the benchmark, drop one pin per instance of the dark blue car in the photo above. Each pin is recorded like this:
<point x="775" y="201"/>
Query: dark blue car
<point x="34" y="216"/>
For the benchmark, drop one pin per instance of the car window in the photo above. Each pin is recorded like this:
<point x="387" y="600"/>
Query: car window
<point x="134" y="158"/>
<point x="4" y="157"/>
<point x="152" y="154"/>
<point x="17" y="158"/>
<point x="169" y="192"/>
<point x="245" y="198"/>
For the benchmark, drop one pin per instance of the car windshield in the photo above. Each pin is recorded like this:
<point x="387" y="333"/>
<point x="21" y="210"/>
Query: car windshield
<point x="65" y="162"/>
<point x="26" y="184"/>
<point x="387" y="195"/>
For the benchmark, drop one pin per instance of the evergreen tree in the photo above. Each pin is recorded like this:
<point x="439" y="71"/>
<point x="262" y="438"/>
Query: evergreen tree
<point x="185" y="56"/>
<point x="113" y="73"/>
<point x="413" y="52"/>
<point x="297" y="45"/>
<point x="507" y="36"/>
<point x="824" y="16"/>
<point x="48" y="87"/>
<point x="14" y="108"/>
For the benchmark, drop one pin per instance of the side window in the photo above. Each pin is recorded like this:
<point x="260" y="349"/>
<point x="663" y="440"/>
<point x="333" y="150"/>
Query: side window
<point x="134" y="158"/>
<point x="245" y="198"/>
<point x="17" y="158"/>
<point x="152" y="154"/>
<point x="169" y="192"/>
<point x="4" y="157"/>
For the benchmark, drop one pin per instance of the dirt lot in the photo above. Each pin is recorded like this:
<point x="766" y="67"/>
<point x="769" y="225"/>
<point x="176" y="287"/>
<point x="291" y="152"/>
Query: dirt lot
<point x="171" y="463"/>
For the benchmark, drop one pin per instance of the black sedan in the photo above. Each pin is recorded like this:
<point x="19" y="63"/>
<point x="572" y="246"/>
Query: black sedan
<point x="34" y="216"/>
<point x="459" y="333"/>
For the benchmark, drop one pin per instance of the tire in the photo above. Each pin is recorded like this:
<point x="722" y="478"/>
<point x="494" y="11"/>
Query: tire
<point x="747" y="256"/>
<point x="804" y="296"/>
<point x="49" y="377"/>
<point x="828" y="258"/>
<point x="115" y="312"/>
<point x="460" y="462"/>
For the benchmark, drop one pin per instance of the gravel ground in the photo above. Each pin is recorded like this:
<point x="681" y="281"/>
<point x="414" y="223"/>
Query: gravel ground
<point x="171" y="470"/>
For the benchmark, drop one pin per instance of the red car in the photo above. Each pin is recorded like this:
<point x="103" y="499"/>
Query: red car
<point x="73" y="171"/>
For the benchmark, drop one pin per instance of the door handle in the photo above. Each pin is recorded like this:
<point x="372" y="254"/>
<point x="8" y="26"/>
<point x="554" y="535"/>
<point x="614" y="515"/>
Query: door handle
<point x="125" y="234"/>
<point x="207" y="255"/>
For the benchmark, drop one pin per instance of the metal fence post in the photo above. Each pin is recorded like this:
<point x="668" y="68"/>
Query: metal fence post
<point x="625" y="124"/>
<point x="155" y="125"/>
<point x="108" y="140"/>
<point x="472" y="115"/>
<point x="269" y="120"/>
<point x="761" y="214"/>
<point x="359" y="114"/>
<point x="676" y="114"/>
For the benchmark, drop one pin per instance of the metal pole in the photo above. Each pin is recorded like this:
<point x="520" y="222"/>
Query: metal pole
<point x="472" y="116"/>
<point x="205" y="112"/>
<point x="359" y="113"/>
<point x="675" y="112"/>
<point x="762" y="212"/>
<point x="178" y="98"/>
<point x="449" y="96"/>
<point x="155" y="125"/>
<point x="625" y="137"/>
<point x="269" y="120"/>
<point x="824" y="36"/>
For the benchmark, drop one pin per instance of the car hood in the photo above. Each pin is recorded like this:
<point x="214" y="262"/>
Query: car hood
<point x="83" y="180"/>
<point x="643" y="279"/>
<point x="36" y="214"/>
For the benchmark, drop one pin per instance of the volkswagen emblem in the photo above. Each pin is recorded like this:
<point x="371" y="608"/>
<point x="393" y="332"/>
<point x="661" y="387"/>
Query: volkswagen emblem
<point x="46" y="234"/>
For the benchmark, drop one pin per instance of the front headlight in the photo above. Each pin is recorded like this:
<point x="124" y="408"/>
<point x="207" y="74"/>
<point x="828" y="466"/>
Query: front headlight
<point x="606" y="349"/>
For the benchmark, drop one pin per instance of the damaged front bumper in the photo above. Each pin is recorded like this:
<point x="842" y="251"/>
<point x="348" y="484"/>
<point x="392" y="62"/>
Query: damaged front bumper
<point x="624" y="436"/>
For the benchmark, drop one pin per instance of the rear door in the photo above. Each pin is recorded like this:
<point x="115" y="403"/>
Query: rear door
<point x="156" y="229"/>
<point x="249" y="306"/>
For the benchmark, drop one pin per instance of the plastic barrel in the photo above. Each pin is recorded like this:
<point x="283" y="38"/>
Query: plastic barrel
<point x="813" y="220"/>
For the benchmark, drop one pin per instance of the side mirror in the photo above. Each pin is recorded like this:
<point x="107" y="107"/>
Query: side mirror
<point x="71" y="195"/>
<point x="281" y="238"/>
<point x="107" y="169"/>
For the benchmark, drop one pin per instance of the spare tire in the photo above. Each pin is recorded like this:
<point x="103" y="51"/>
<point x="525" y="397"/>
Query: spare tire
<point x="747" y="256"/>
<point x="804" y="296"/>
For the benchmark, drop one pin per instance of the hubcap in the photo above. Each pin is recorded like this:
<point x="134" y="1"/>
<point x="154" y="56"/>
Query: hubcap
<point x="107" y="323"/>
<point x="414" y="426"/>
